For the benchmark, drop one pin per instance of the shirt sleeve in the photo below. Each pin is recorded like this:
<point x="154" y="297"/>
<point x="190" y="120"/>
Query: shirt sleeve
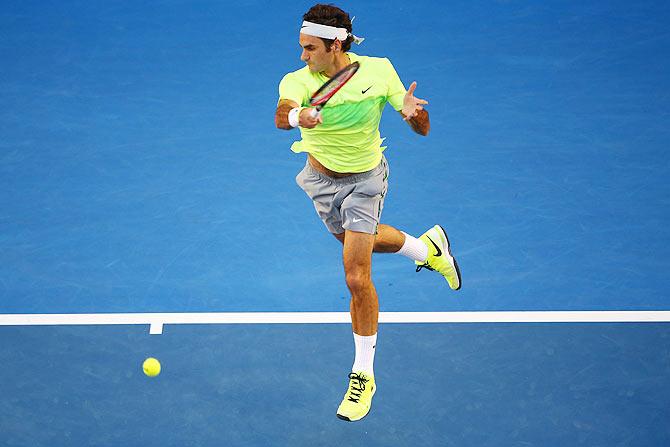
<point x="396" y="90"/>
<point x="291" y="88"/>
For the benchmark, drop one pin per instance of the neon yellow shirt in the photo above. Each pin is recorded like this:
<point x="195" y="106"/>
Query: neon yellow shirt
<point x="348" y="140"/>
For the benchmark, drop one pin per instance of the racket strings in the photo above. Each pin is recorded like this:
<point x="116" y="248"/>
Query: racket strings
<point x="334" y="84"/>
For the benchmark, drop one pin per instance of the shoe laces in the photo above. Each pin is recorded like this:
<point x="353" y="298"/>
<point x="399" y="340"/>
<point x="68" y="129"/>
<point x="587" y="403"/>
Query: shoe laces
<point x="357" y="381"/>
<point x="424" y="266"/>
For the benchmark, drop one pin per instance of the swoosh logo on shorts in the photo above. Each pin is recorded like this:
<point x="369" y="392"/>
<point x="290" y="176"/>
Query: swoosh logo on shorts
<point x="439" y="252"/>
<point x="356" y="220"/>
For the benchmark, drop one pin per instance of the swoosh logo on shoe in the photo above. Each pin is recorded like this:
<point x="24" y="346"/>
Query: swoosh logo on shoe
<point x="363" y="91"/>
<point x="439" y="252"/>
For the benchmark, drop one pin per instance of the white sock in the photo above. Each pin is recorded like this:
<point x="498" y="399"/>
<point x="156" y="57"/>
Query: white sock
<point x="365" y="353"/>
<point x="414" y="248"/>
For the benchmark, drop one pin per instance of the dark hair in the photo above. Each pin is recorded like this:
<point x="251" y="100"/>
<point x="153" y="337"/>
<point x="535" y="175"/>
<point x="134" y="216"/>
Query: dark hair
<point x="330" y="15"/>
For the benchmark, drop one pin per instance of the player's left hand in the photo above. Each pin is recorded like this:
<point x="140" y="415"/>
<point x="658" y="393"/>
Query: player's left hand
<point x="411" y="104"/>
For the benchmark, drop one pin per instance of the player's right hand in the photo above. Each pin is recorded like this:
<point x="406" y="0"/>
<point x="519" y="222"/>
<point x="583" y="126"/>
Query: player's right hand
<point x="306" y="119"/>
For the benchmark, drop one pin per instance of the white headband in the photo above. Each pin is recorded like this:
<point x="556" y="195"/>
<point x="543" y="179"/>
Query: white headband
<point x="328" y="32"/>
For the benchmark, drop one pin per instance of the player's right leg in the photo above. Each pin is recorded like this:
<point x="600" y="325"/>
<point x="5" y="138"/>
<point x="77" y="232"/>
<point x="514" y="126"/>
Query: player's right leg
<point x="357" y="257"/>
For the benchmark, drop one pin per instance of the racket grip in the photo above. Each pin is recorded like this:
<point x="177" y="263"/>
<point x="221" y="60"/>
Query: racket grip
<point x="314" y="113"/>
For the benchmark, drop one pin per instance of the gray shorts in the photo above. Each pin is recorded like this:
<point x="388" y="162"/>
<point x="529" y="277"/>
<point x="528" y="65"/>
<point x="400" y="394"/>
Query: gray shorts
<point x="350" y="203"/>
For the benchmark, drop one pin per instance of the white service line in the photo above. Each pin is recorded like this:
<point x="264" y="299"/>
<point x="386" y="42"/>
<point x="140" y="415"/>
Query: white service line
<point x="156" y="321"/>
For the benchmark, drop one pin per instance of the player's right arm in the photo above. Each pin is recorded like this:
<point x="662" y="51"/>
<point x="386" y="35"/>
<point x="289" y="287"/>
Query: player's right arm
<point x="281" y="115"/>
<point x="305" y="119"/>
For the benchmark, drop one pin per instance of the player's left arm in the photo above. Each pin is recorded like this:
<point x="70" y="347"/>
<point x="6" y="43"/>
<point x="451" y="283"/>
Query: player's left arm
<point x="414" y="113"/>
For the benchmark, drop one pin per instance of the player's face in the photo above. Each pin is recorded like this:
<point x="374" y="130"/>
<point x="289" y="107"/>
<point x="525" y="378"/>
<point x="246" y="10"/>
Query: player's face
<point x="314" y="53"/>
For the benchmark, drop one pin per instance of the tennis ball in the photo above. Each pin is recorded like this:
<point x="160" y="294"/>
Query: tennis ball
<point x="151" y="367"/>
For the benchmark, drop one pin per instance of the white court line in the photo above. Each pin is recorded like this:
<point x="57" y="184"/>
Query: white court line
<point x="156" y="321"/>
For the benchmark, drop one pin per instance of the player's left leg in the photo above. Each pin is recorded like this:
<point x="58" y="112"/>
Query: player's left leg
<point x="357" y="255"/>
<point x="431" y="250"/>
<point x="391" y="240"/>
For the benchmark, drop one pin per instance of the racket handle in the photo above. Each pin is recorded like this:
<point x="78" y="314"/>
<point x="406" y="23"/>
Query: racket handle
<point x="314" y="113"/>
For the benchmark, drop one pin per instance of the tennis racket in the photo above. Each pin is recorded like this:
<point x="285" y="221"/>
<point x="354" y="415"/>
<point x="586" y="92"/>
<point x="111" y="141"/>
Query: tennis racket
<point x="332" y="86"/>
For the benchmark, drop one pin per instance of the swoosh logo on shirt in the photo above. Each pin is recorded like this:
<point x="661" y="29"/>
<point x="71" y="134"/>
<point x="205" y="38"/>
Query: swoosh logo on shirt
<point x="363" y="91"/>
<point x="439" y="252"/>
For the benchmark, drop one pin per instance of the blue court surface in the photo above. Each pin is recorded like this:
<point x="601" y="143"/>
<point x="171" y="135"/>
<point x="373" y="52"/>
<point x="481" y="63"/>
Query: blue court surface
<point x="142" y="176"/>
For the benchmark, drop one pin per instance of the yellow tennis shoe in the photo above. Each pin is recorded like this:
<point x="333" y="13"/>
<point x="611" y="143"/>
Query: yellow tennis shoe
<point x="358" y="399"/>
<point x="440" y="257"/>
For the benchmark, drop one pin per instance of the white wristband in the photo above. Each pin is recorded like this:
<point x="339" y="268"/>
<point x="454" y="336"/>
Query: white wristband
<point x="294" y="116"/>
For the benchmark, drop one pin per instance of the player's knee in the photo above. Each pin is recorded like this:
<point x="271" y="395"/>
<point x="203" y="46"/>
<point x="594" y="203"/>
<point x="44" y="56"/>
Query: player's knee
<point x="358" y="281"/>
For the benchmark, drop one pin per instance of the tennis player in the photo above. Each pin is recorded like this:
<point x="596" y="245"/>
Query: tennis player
<point x="346" y="174"/>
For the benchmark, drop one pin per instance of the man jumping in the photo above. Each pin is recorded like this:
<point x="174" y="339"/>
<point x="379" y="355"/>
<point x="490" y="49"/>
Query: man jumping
<point x="346" y="174"/>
